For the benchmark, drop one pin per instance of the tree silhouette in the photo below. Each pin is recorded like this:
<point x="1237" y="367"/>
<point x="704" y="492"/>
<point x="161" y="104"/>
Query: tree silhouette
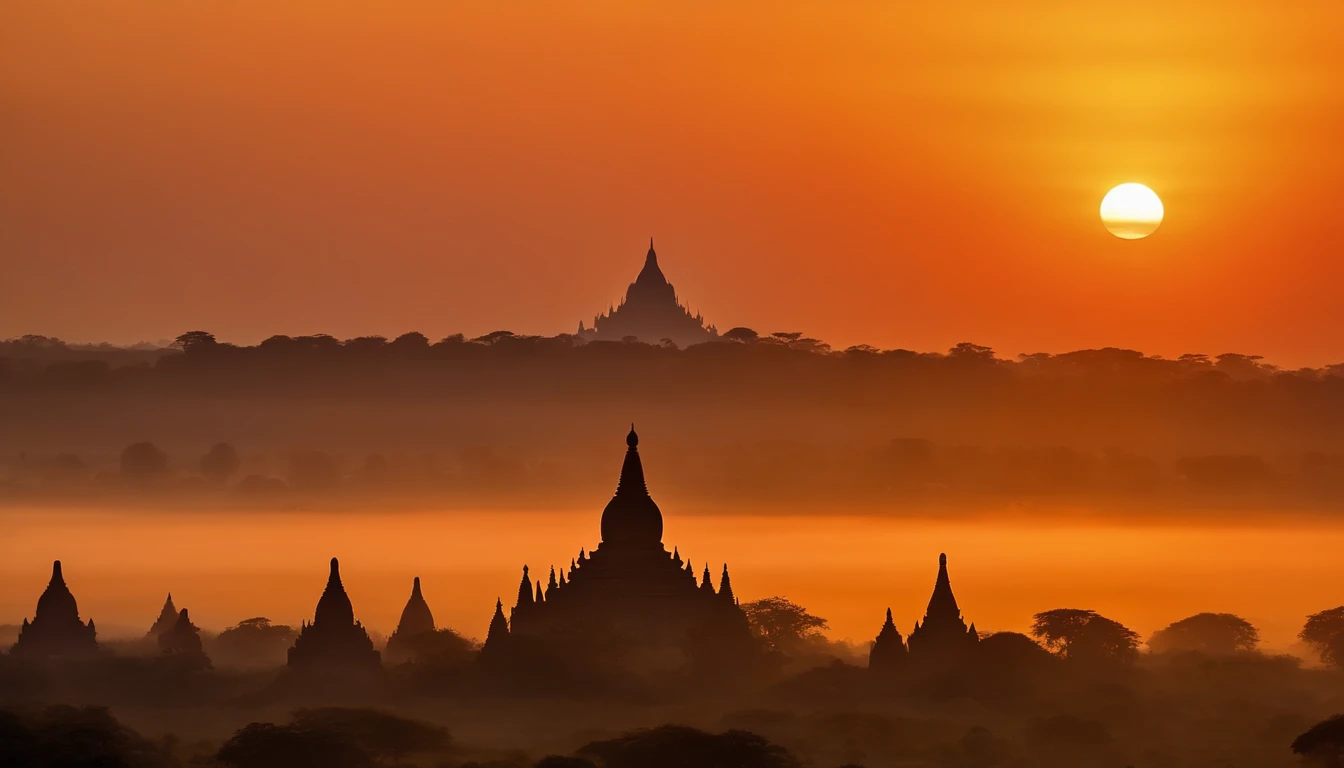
<point x="220" y="462"/>
<point x="195" y="341"/>
<point x="741" y="334"/>
<point x="1083" y="635"/>
<point x="143" y="461"/>
<point x="783" y="624"/>
<point x="74" y="736"/>
<point x="674" y="746"/>
<point x="265" y="745"/>
<point x="1323" y="743"/>
<point x="255" y="641"/>
<point x="1217" y="633"/>
<point x="1324" y="632"/>
<point x="378" y="734"/>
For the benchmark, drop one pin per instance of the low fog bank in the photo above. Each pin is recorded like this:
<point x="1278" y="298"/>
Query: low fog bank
<point x="765" y="420"/>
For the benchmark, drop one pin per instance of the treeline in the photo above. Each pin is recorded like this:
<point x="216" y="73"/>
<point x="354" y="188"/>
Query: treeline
<point x="35" y="361"/>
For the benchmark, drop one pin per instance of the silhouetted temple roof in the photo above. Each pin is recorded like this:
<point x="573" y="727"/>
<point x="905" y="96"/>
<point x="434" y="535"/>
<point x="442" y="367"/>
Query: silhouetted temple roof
<point x="334" y="606"/>
<point x="651" y="274"/>
<point x="943" y="604"/>
<point x="631" y="517"/>
<point x="416" y="616"/>
<point x="56" y="600"/>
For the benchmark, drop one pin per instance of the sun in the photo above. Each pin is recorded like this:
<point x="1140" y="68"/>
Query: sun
<point x="1131" y="211"/>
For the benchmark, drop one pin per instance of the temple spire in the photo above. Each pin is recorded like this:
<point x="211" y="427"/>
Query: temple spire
<point x="726" y="586"/>
<point x="525" y="590"/>
<point x="56" y="577"/>
<point x="942" y="604"/>
<point x="706" y="584"/>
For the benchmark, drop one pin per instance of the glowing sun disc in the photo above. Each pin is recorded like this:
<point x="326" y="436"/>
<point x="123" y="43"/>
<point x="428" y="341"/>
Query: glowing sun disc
<point x="1131" y="211"/>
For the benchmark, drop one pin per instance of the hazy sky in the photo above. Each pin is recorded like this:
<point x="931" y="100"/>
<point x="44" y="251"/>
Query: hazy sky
<point x="902" y="174"/>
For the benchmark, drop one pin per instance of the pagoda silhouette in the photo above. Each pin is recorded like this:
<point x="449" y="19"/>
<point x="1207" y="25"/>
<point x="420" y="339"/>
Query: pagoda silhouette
<point x="56" y="629"/>
<point x="629" y="592"/>
<point x="416" y="622"/>
<point x="942" y="641"/>
<point x="650" y="312"/>
<point x="168" y="617"/>
<point x="181" y="643"/>
<point x="333" y="638"/>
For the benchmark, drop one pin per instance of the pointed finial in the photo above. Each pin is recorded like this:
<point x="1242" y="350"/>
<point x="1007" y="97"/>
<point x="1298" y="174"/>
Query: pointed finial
<point x="415" y="587"/>
<point x="942" y="560"/>
<point x="632" y="439"/>
<point x="499" y="603"/>
<point x="335" y="566"/>
<point x="888" y="614"/>
<point x="56" y="576"/>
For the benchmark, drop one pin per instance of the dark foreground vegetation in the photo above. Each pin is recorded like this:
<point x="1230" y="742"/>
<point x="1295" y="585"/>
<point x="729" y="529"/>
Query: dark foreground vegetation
<point x="1081" y="690"/>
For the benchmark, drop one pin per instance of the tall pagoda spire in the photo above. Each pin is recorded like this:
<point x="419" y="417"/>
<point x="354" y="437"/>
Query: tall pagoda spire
<point x="334" y="606"/>
<point x="943" y="604"/>
<point x="726" y="586"/>
<point x="631" y="518"/>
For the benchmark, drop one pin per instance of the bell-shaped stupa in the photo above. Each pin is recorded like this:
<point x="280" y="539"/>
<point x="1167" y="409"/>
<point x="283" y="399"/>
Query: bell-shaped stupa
<point x="56" y="629"/>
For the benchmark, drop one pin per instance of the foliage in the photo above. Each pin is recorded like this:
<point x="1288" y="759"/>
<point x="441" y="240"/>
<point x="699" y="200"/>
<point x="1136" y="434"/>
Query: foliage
<point x="1324" y="632"/>
<point x="141" y="461"/>
<point x="1323" y="743"/>
<point x="783" y="624"/>
<point x="674" y="746"/>
<point x="63" y="736"/>
<point x="1216" y="633"/>
<point x="1084" y="635"/>
<point x="220" y="462"/>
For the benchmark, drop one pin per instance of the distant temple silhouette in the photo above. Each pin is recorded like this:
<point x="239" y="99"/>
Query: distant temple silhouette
<point x="333" y="638"/>
<point x="167" y="620"/>
<point x="941" y="641"/>
<point x="416" y="620"/>
<point x="182" y="642"/>
<point x="630" y="587"/>
<point x="650" y="312"/>
<point x="56" y="629"/>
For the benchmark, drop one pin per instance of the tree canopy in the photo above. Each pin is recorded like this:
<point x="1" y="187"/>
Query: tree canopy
<point x="1085" y="635"/>
<point x="1216" y="633"/>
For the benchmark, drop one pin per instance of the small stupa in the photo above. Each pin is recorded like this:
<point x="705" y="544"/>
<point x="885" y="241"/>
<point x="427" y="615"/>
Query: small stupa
<point x="416" y="622"/>
<point x="56" y="629"/>
<point x="167" y="619"/>
<point x="183" y="642"/>
<point x="889" y="653"/>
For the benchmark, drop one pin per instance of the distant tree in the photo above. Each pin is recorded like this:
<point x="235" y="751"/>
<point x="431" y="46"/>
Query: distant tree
<point x="557" y="761"/>
<point x="494" y="337"/>
<point x="966" y="351"/>
<point x="220" y="462"/>
<point x="254" y="642"/>
<point x="313" y="470"/>
<point x="786" y="337"/>
<point x="378" y="734"/>
<point x="783" y="624"/>
<point x="1324" y="632"/>
<point x="443" y="647"/>
<point x="412" y="343"/>
<point x="1083" y="635"/>
<point x="675" y="746"/>
<point x="1323" y="743"/>
<point x="194" y="341"/>
<point x="143" y="461"/>
<point x="1217" y="633"/>
<point x="74" y="736"/>
<point x="68" y="465"/>
<point x="266" y="745"/>
<point x="668" y="344"/>
<point x="741" y="335"/>
<point x="1013" y="651"/>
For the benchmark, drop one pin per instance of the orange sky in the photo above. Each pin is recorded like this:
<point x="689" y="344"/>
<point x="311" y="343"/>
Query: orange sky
<point x="893" y="173"/>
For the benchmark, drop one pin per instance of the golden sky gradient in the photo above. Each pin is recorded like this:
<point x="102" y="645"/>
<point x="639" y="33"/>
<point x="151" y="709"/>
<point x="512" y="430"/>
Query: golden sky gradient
<point x="893" y="173"/>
